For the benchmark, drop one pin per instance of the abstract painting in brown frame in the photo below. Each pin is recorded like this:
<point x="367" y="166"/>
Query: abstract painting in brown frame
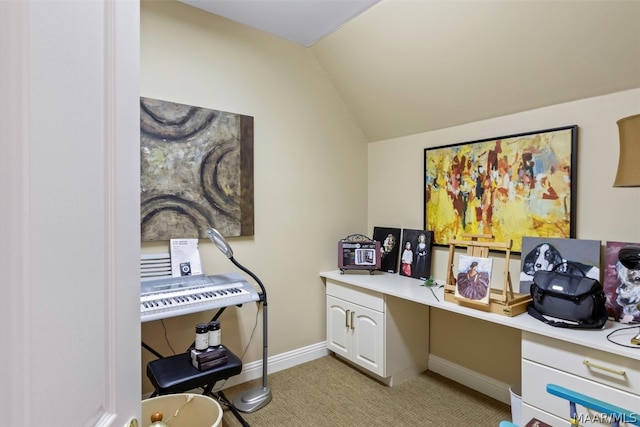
<point x="196" y="171"/>
<point x="508" y="187"/>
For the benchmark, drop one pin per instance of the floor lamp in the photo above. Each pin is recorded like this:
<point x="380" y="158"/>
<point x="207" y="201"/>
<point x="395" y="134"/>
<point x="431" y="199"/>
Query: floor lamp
<point x="257" y="397"/>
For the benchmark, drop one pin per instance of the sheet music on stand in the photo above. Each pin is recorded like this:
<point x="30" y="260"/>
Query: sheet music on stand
<point x="185" y="257"/>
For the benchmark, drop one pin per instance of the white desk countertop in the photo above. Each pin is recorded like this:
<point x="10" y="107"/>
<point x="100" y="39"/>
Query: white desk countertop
<point x="410" y="289"/>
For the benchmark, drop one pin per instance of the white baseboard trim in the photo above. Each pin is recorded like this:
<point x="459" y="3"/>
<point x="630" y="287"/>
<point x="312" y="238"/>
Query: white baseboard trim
<point x="279" y="362"/>
<point x="474" y="380"/>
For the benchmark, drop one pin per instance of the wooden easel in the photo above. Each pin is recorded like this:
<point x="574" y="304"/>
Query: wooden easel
<point x="503" y="301"/>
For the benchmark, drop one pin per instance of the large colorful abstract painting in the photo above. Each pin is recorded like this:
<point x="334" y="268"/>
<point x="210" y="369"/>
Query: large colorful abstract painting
<point x="507" y="187"/>
<point x="196" y="171"/>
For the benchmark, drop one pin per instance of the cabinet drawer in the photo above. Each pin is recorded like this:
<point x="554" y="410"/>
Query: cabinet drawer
<point x="529" y="412"/>
<point x="595" y="365"/>
<point x="534" y="392"/>
<point x="364" y="297"/>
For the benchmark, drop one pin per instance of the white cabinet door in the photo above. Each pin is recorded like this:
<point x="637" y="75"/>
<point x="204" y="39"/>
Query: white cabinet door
<point x="368" y="339"/>
<point x="356" y="333"/>
<point x="338" y="333"/>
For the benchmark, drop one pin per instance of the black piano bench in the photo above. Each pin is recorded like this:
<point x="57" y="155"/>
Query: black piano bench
<point x="176" y="374"/>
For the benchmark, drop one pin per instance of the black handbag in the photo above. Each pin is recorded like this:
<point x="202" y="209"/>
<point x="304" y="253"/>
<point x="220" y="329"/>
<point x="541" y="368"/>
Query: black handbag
<point x="577" y="299"/>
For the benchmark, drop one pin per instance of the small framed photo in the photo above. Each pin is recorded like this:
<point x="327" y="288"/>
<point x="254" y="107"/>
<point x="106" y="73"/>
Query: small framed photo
<point x="358" y="255"/>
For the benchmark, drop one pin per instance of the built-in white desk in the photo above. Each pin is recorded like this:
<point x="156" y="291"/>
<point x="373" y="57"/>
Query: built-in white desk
<point x="584" y="360"/>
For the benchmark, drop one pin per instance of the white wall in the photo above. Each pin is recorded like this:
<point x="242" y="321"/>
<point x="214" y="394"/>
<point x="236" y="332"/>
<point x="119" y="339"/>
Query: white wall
<point x="396" y="186"/>
<point x="317" y="181"/>
<point x="310" y="167"/>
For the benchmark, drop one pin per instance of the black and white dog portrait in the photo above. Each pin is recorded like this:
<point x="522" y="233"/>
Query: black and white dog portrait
<point x="628" y="293"/>
<point x="546" y="256"/>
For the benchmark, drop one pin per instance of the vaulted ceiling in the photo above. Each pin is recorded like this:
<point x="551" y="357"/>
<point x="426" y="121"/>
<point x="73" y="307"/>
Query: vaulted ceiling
<point x="409" y="66"/>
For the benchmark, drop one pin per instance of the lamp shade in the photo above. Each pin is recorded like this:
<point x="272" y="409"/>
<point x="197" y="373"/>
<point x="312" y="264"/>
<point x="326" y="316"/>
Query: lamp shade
<point x="628" y="164"/>
<point x="220" y="242"/>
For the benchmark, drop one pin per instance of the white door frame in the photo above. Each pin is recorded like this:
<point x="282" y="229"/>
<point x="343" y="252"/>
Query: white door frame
<point x="69" y="212"/>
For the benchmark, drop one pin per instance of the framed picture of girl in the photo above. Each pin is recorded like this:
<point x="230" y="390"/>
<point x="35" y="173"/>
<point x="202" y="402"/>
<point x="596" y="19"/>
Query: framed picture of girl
<point x="415" y="259"/>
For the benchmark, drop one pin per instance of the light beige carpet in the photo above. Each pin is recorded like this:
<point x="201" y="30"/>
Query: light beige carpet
<point x="329" y="392"/>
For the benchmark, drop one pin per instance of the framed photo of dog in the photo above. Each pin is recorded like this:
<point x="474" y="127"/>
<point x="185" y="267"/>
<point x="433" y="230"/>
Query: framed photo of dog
<point x="508" y="187"/>
<point x="575" y="256"/>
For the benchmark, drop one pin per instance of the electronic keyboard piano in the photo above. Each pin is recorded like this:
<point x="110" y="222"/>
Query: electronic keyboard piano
<point x="176" y="296"/>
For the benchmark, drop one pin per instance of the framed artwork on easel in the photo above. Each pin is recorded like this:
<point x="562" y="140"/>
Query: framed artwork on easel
<point x="473" y="281"/>
<point x="500" y="300"/>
